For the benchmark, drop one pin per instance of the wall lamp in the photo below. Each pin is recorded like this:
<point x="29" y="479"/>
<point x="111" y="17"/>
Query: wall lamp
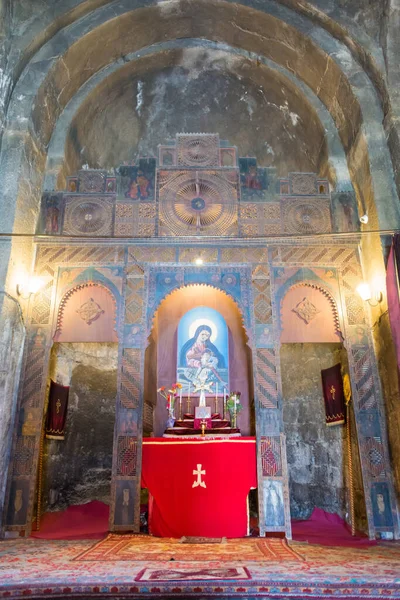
<point x="366" y="294"/>
<point x="28" y="287"/>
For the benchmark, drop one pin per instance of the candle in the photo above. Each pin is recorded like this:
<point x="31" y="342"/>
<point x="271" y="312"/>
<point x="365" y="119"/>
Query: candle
<point x="180" y="404"/>
<point x="216" y="390"/>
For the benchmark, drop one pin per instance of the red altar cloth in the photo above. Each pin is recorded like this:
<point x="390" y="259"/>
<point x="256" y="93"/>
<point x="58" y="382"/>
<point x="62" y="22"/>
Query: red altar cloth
<point x="211" y="502"/>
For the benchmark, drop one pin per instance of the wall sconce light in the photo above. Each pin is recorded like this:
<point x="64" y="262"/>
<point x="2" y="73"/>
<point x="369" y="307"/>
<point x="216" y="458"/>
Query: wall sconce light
<point x="364" y="219"/>
<point x="199" y="261"/>
<point x="31" y="286"/>
<point x="366" y="294"/>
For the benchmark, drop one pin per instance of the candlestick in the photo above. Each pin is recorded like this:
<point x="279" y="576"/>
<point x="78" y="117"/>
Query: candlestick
<point x="188" y="401"/>
<point x="224" y="405"/>
<point x="216" y="397"/>
<point x="180" y="404"/>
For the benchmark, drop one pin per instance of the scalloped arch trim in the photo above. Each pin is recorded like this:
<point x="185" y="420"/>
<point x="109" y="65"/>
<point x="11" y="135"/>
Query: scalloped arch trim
<point x="303" y="315"/>
<point x="203" y="285"/>
<point x="87" y="313"/>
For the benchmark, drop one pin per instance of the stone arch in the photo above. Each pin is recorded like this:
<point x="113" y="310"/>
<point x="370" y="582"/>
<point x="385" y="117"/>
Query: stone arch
<point x="244" y="319"/>
<point x="89" y="311"/>
<point x="247" y="36"/>
<point x="65" y="128"/>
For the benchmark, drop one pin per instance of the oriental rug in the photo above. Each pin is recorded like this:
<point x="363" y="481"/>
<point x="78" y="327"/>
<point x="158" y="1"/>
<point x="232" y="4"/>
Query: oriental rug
<point x="147" y="548"/>
<point x="193" y="574"/>
<point x="43" y="569"/>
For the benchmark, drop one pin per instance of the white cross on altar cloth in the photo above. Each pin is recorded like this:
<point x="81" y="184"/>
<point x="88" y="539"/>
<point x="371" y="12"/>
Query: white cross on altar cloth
<point x="199" y="473"/>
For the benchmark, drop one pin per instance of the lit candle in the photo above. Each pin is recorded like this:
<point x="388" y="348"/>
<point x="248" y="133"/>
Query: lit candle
<point x="180" y="404"/>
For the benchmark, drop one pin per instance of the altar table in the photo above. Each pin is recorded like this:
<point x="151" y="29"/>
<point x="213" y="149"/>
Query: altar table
<point x="199" y="487"/>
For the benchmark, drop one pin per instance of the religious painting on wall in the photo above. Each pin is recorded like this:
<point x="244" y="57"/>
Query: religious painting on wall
<point x="203" y="355"/>
<point x="256" y="183"/>
<point x="51" y="212"/>
<point x="136" y="182"/>
<point x="274" y="503"/>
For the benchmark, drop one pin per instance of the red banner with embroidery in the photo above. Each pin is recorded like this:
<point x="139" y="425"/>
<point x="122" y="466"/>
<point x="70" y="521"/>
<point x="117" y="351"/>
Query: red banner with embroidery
<point x="57" y="411"/>
<point x="332" y="387"/>
<point x="199" y="488"/>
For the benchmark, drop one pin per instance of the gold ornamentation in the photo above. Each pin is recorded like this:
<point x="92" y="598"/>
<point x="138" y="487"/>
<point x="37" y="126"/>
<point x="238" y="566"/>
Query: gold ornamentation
<point x="248" y="211"/>
<point x="124" y="211"/>
<point x="346" y="388"/>
<point x="147" y="210"/>
<point x="58" y="405"/>
<point x="272" y="211"/>
<point x="333" y="392"/>
<point x="18" y="501"/>
<point x="125" y="497"/>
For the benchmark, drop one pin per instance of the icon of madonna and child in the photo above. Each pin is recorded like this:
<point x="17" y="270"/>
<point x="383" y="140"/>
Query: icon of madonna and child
<point x="200" y="361"/>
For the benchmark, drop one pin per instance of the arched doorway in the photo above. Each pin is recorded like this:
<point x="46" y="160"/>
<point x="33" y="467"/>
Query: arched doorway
<point x="317" y="442"/>
<point x="77" y="461"/>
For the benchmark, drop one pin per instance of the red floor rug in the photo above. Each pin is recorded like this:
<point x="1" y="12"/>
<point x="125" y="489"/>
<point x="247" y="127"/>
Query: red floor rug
<point x="90" y="521"/>
<point x="146" y="548"/>
<point x="80" y="522"/>
<point x="327" y="529"/>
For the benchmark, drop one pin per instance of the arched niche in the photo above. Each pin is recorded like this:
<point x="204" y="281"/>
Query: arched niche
<point x="161" y="355"/>
<point x="308" y="314"/>
<point x="84" y="357"/>
<point x="311" y="340"/>
<point x="87" y="313"/>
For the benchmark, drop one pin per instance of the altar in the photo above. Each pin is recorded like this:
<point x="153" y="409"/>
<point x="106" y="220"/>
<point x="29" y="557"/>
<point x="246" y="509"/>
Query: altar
<point x="199" y="486"/>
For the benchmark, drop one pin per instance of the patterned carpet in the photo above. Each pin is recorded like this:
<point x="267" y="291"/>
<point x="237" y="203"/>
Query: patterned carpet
<point x="147" y="549"/>
<point x="42" y="569"/>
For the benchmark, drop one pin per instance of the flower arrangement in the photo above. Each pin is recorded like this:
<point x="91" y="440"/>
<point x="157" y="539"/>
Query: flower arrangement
<point x="170" y="394"/>
<point x="233" y="403"/>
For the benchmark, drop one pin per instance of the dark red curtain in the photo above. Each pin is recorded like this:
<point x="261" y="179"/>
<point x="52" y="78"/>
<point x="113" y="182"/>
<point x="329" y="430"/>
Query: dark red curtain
<point x="332" y="387"/>
<point x="57" y="411"/>
<point x="393" y="295"/>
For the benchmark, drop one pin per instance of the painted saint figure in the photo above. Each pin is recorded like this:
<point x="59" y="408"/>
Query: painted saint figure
<point x="193" y="349"/>
<point x="201" y="360"/>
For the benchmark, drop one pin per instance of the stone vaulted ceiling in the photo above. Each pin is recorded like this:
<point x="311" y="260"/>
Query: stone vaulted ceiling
<point x="302" y="86"/>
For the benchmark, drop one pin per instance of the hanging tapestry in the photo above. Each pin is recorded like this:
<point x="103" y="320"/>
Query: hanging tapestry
<point x="57" y="411"/>
<point x="332" y="387"/>
<point x="393" y="292"/>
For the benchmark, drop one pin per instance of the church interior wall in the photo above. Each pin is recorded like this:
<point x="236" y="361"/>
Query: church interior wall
<point x="150" y="381"/>
<point x="317" y="453"/>
<point x="266" y="95"/>
<point x="12" y="338"/>
<point x="77" y="469"/>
